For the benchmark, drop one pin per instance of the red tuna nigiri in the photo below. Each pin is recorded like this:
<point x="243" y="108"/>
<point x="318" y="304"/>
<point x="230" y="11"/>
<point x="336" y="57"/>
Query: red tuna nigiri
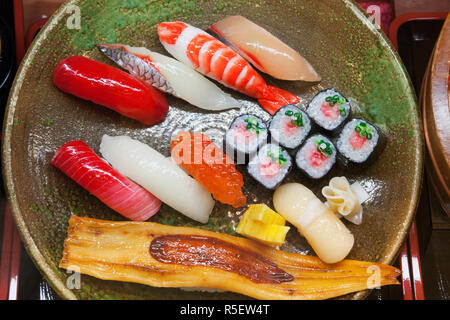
<point x="85" y="167"/>
<point x="110" y="87"/>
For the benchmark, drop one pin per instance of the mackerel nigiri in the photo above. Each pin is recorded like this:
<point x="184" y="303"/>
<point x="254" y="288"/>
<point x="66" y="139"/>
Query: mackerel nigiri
<point x="85" y="167"/>
<point x="169" y="75"/>
<point x="159" y="175"/>
<point x="214" y="59"/>
<point x="263" y="50"/>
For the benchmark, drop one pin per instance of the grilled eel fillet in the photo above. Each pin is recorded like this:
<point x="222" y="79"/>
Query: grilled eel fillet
<point x="166" y="256"/>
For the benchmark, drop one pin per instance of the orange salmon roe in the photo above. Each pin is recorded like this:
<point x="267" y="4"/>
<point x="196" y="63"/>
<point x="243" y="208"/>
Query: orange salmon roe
<point x="207" y="164"/>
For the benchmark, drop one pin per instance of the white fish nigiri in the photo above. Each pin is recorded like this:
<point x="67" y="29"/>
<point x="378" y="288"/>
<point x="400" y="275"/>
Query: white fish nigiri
<point x="263" y="50"/>
<point x="209" y="56"/>
<point x="170" y="75"/>
<point x="159" y="175"/>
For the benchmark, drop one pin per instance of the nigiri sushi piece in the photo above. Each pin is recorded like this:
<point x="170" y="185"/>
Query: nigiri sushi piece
<point x="214" y="59"/>
<point x="206" y="162"/>
<point x="165" y="256"/>
<point x="78" y="161"/>
<point x="110" y="87"/>
<point x="159" y="175"/>
<point x="325" y="232"/>
<point x="169" y="75"/>
<point x="263" y="50"/>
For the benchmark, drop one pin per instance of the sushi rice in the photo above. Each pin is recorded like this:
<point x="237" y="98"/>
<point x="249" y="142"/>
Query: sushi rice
<point x="290" y="126"/>
<point x="361" y="152"/>
<point x="329" y="109"/>
<point x="270" y="165"/>
<point x="244" y="137"/>
<point x="316" y="157"/>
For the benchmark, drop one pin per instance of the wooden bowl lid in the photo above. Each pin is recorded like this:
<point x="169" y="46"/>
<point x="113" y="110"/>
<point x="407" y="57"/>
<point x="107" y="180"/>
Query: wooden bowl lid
<point x="436" y="115"/>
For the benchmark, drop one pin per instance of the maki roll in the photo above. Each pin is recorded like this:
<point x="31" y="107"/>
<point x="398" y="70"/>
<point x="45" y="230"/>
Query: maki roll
<point x="359" y="142"/>
<point x="290" y="126"/>
<point x="270" y="165"/>
<point x="316" y="157"/>
<point x="329" y="110"/>
<point x="244" y="137"/>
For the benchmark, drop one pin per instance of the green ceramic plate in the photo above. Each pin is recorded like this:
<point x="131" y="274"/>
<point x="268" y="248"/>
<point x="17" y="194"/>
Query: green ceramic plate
<point x="335" y="36"/>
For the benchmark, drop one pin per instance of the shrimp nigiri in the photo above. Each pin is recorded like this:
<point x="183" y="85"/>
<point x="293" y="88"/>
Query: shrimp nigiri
<point x="85" y="167"/>
<point x="159" y="175"/>
<point x="263" y="50"/>
<point x="169" y="75"/>
<point x="214" y="59"/>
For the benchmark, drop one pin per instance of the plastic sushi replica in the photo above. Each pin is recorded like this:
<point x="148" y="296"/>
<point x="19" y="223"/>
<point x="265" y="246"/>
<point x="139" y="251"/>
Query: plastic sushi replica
<point x="166" y="256"/>
<point x="290" y="126"/>
<point x="270" y="165"/>
<point x="206" y="162"/>
<point x="159" y="175"/>
<point x="316" y="157"/>
<point x="263" y="50"/>
<point x="112" y="88"/>
<point x="78" y="161"/>
<point x="169" y="75"/>
<point x="263" y="224"/>
<point x="324" y="231"/>
<point x="329" y="110"/>
<point x="246" y="134"/>
<point x="209" y="56"/>
<point x="359" y="142"/>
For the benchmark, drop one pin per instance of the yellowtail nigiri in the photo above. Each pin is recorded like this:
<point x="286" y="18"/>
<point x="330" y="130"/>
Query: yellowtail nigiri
<point x="263" y="50"/>
<point x="206" y="54"/>
<point x="169" y="75"/>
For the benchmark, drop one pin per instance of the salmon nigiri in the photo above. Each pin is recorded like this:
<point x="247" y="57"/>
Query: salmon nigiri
<point x="78" y="161"/>
<point x="169" y="75"/>
<point x="263" y="50"/>
<point x="214" y="59"/>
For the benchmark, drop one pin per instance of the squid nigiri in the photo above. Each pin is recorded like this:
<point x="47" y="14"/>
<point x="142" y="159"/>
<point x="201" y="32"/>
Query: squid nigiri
<point x="159" y="175"/>
<point x="78" y="161"/>
<point x="263" y="50"/>
<point x="169" y="75"/>
<point x="214" y="59"/>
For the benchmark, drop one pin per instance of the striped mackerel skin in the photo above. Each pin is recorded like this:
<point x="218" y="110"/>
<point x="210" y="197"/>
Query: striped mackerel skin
<point x="137" y="67"/>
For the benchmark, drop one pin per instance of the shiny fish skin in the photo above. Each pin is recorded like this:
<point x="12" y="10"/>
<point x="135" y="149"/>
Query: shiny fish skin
<point x="136" y="66"/>
<point x="171" y="76"/>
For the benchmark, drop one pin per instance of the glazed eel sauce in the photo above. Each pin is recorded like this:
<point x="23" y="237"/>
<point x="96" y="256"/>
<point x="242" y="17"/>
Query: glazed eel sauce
<point x="194" y="250"/>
